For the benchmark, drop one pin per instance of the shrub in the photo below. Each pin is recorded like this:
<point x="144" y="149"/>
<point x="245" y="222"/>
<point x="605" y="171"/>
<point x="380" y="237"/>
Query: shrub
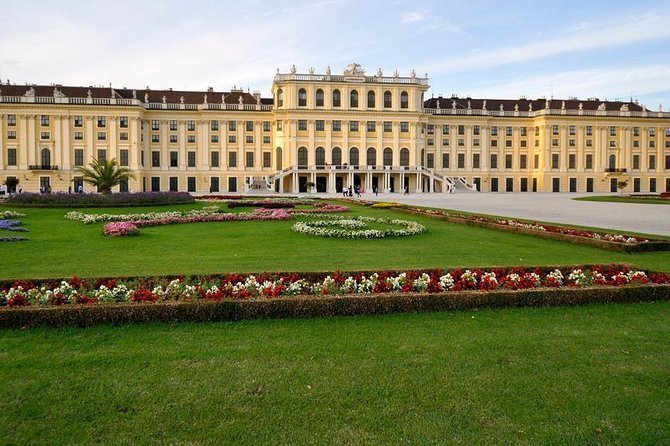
<point x="62" y="199"/>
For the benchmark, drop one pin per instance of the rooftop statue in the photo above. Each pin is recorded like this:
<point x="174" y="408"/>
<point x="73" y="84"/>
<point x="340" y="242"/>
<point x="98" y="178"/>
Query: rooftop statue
<point x="354" y="69"/>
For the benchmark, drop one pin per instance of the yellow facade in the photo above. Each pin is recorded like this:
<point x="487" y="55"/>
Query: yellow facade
<point x="333" y="130"/>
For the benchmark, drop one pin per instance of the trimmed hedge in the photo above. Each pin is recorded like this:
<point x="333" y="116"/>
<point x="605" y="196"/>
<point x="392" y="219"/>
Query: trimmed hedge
<point x="309" y="306"/>
<point x="62" y="199"/>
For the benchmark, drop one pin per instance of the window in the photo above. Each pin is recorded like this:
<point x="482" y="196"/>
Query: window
<point x="102" y="136"/>
<point x="461" y="142"/>
<point x="174" y="158"/>
<point x="404" y="100"/>
<point x="45" y="135"/>
<point x="11" y="120"/>
<point x="190" y="184"/>
<point x="612" y="131"/>
<point x="102" y="155"/>
<point x="494" y="131"/>
<point x="430" y="129"/>
<point x="371" y="156"/>
<point x="214" y="139"/>
<point x="337" y="126"/>
<point x="636" y="162"/>
<point x="461" y="130"/>
<point x="508" y="131"/>
<point x="78" y="121"/>
<point x="249" y="139"/>
<point x="123" y="157"/>
<point x="232" y="126"/>
<point x="572" y="161"/>
<point x="508" y="161"/>
<point x="249" y="126"/>
<point x="174" y="184"/>
<point x="494" y="161"/>
<point x="589" y="130"/>
<point x="123" y="136"/>
<point x="554" y="129"/>
<point x="353" y="156"/>
<point x="388" y="101"/>
<point x="11" y="157"/>
<point x="388" y="126"/>
<point x="11" y="134"/>
<point x="371" y="127"/>
<point x="156" y="125"/>
<point x="155" y="138"/>
<point x="214" y="159"/>
<point x="636" y="131"/>
<point x="353" y="126"/>
<point x="232" y="139"/>
<point x="388" y="156"/>
<point x="353" y="99"/>
<point x="280" y="98"/>
<point x="667" y="132"/>
<point x="404" y="157"/>
<point x="430" y="142"/>
<point x="554" y="142"/>
<point x="190" y="126"/>
<point x="536" y="161"/>
<point x="445" y="160"/>
<point x="190" y="158"/>
<point x="524" y="131"/>
<point x="652" y="144"/>
<point x="337" y="100"/>
<point x="232" y="184"/>
<point x="267" y="160"/>
<point x="266" y="126"/>
<point x="572" y="130"/>
<point x="475" y="160"/>
<point x="249" y="159"/>
<point x="173" y="125"/>
<point x="123" y="122"/>
<point x="460" y="161"/>
<point x="232" y="159"/>
<point x="190" y="139"/>
<point x="445" y="129"/>
<point x="173" y="139"/>
<point x="508" y="143"/>
<point x="589" y="161"/>
<point x="320" y="125"/>
<point x="523" y="143"/>
<point x="319" y="98"/>
<point x="475" y="129"/>
<point x="371" y="99"/>
<point x="45" y="121"/>
<point x="404" y="127"/>
<point x="523" y="161"/>
<point x="652" y="132"/>
<point x="494" y="143"/>
<point x="430" y="160"/>
<point x="337" y="156"/>
<point x="214" y="184"/>
<point x="589" y="143"/>
<point x="554" y="160"/>
<point x="667" y="162"/>
<point x="302" y="124"/>
<point x="652" y="162"/>
<point x="537" y="131"/>
<point x="155" y="158"/>
<point x="78" y="157"/>
<point x="214" y="126"/>
<point x="155" y="184"/>
<point x="302" y="98"/>
<point x="612" y="144"/>
<point x="652" y="185"/>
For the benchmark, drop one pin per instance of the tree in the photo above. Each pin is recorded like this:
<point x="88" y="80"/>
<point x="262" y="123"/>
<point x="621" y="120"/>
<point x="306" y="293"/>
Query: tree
<point x="309" y="185"/>
<point x="11" y="183"/>
<point x="104" y="175"/>
<point x="621" y="185"/>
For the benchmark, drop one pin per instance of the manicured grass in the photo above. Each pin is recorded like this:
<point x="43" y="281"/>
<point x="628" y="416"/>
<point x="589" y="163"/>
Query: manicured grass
<point x="578" y="375"/>
<point x="62" y="248"/>
<point x="624" y="199"/>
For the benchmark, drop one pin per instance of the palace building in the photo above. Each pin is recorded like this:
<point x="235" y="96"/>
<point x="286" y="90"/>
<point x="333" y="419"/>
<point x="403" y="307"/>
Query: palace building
<point x="331" y="131"/>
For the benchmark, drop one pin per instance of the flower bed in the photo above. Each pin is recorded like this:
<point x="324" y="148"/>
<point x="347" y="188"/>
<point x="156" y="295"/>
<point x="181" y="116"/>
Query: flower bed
<point x="12" y="225"/>
<point x="236" y="296"/>
<point x="62" y="199"/>
<point x="96" y="218"/>
<point x="14" y="238"/>
<point x="11" y="214"/>
<point x="616" y="242"/>
<point x="357" y="228"/>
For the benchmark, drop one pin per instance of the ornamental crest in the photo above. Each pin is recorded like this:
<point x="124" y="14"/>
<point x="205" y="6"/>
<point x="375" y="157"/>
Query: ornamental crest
<point x="354" y="69"/>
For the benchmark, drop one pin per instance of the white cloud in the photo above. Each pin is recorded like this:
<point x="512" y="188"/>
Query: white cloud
<point x="412" y="16"/>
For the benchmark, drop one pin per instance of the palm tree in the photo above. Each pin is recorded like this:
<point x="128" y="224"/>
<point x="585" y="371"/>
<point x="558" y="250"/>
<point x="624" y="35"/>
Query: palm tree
<point x="104" y="175"/>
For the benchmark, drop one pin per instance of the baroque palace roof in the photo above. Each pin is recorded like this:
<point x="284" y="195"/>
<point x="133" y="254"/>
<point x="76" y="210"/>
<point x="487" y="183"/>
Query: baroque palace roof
<point x="525" y="105"/>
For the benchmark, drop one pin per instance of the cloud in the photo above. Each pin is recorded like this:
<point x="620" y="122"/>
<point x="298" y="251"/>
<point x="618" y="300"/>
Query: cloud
<point x="412" y="16"/>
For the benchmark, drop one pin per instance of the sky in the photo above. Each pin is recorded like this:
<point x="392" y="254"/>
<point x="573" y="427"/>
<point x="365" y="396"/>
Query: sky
<point x="493" y="49"/>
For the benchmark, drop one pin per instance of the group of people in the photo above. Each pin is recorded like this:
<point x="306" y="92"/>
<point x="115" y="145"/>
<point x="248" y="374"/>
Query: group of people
<point x="349" y="192"/>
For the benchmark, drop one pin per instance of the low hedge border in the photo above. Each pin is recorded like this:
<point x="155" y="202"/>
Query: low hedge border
<point x="310" y="306"/>
<point x="651" y="245"/>
<point x="93" y="200"/>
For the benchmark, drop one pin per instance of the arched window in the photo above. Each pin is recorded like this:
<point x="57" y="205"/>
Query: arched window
<point x="388" y="99"/>
<point x="302" y="157"/>
<point x="372" y="156"/>
<point x="302" y="98"/>
<point x="404" y="156"/>
<point x="278" y="158"/>
<point x="612" y="162"/>
<point x="353" y="156"/>
<point x="319" y="98"/>
<point x="337" y="156"/>
<point x="371" y="99"/>
<point x="280" y="98"/>
<point x="337" y="99"/>
<point x="388" y="156"/>
<point x="404" y="100"/>
<point x="46" y="157"/>
<point x="353" y="99"/>
<point x="320" y="155"/>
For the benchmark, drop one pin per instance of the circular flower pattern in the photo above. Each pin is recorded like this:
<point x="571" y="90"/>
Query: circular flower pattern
<point x="357" y="228"/>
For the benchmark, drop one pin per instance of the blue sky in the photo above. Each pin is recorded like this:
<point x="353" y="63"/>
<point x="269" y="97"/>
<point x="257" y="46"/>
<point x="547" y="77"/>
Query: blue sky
<point x="501" y="49"/>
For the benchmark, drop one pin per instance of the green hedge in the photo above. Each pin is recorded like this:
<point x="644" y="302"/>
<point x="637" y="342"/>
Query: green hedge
<point x="308" y="306"/>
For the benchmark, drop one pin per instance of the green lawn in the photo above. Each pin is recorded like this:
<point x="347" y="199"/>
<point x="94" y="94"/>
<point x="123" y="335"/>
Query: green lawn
<point x="62" y="248"/>
<point x="577" y="375"/>
<point x="624" y="199"/>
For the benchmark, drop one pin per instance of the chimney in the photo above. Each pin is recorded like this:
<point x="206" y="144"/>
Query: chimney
<point x="257" y="95"/>
<point x="210" y="90"/>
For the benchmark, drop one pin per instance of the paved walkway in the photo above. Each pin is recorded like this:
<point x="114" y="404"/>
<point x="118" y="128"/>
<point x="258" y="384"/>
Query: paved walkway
<point x="548" y="207"/>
